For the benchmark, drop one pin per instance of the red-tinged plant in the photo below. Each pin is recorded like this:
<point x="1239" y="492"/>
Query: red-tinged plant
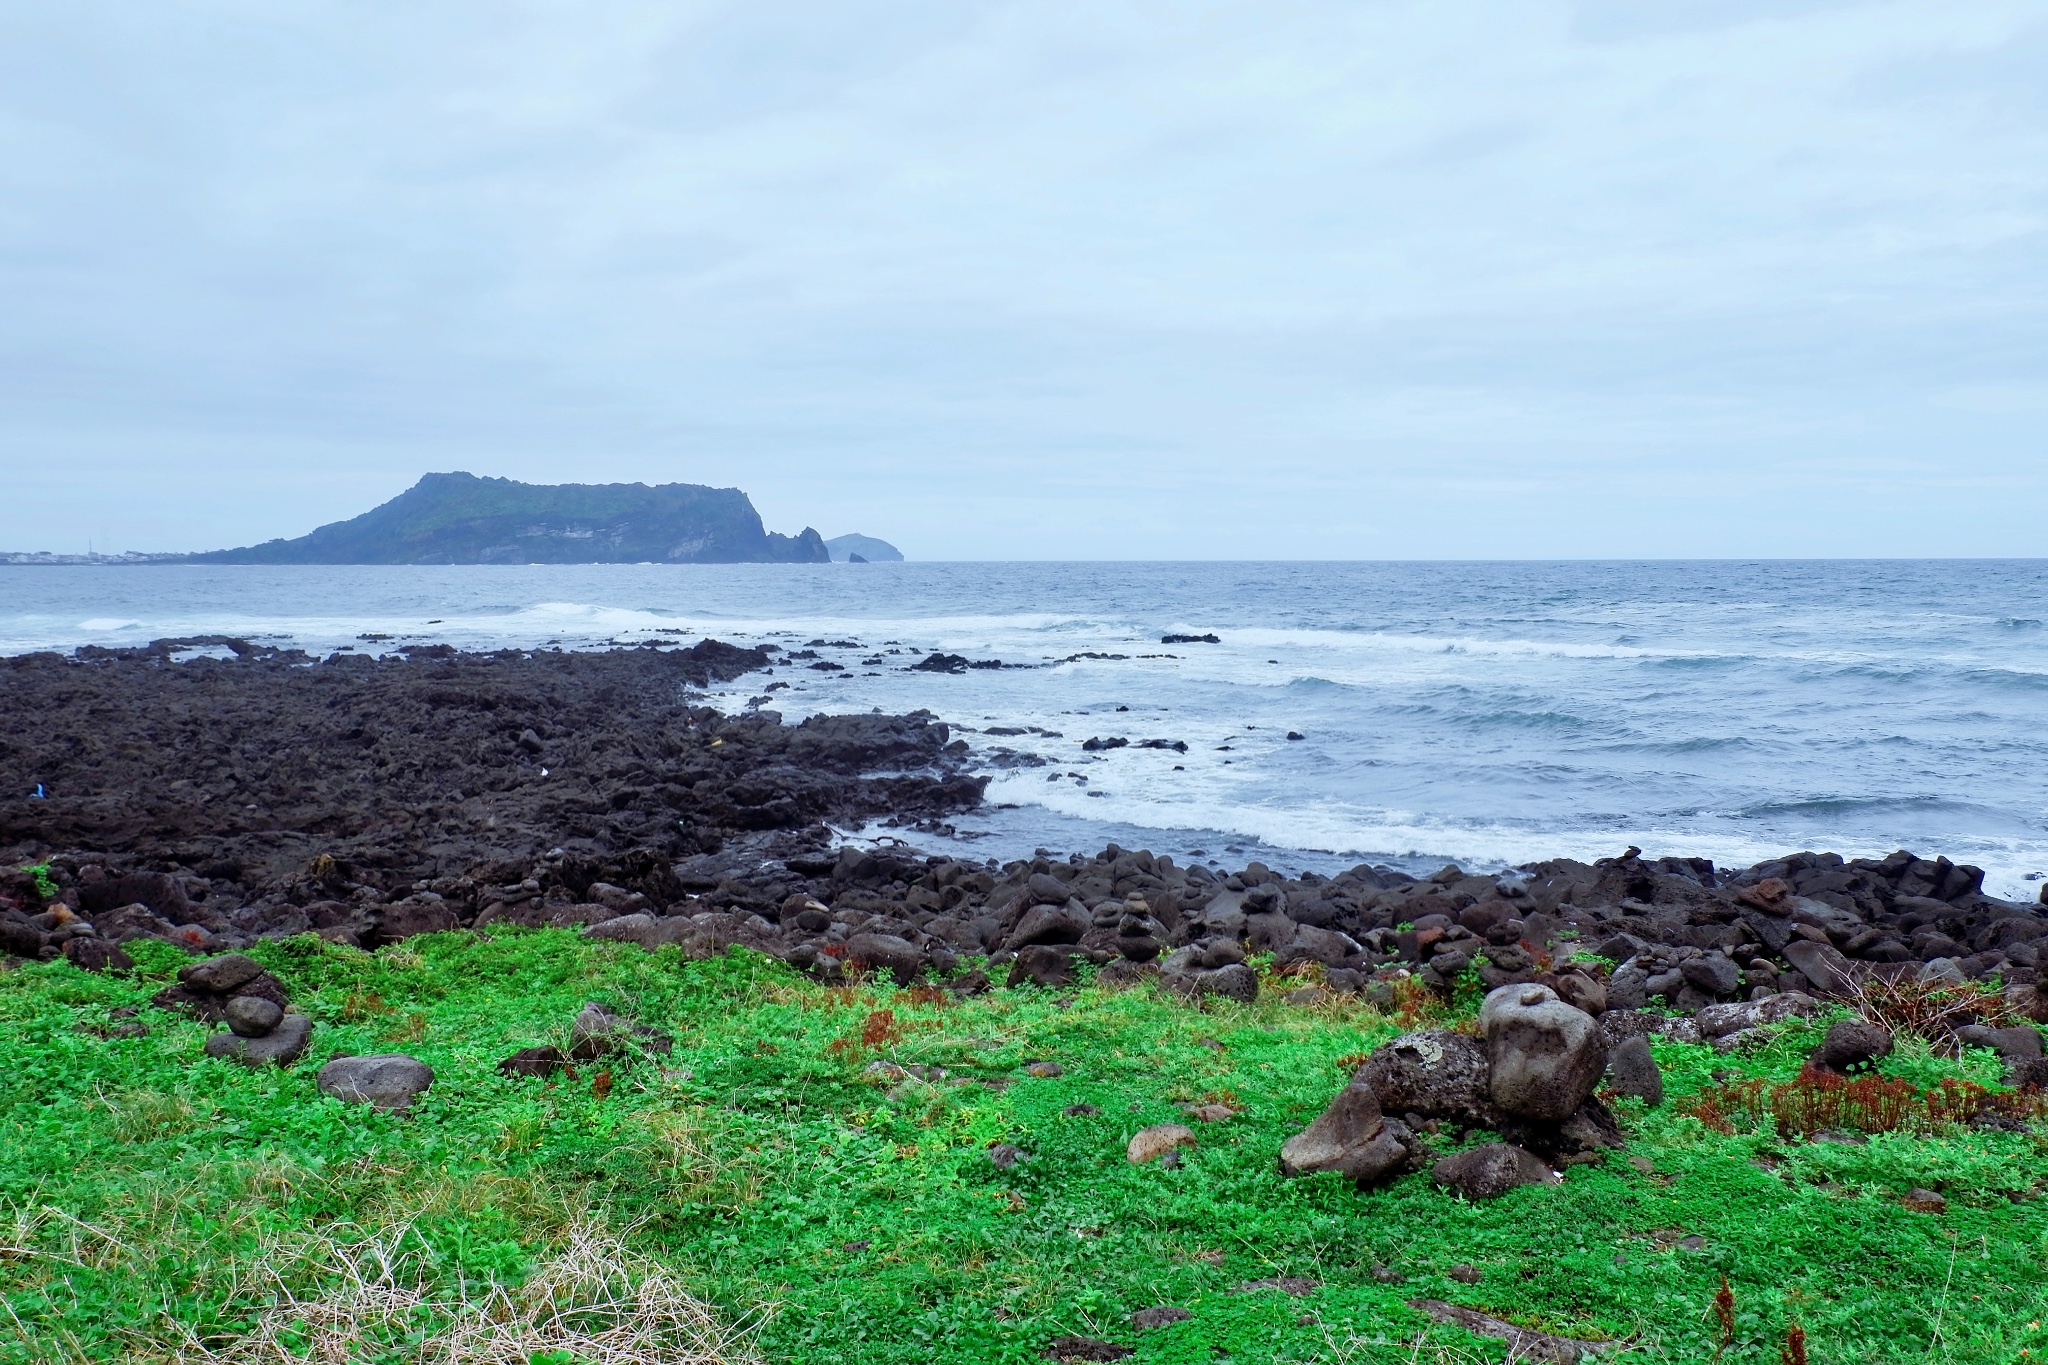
<point x="1724" y="1312"/>
<point x="1794" y="1350"/>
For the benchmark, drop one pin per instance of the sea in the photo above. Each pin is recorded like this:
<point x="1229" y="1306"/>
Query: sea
<point x="1409" y="714"/>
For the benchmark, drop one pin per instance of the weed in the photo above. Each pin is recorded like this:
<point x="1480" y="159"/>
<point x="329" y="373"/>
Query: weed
<point x="1724" y="1314"/>
<point x="1819" y="1101"/>
<point x="46" y="886"/>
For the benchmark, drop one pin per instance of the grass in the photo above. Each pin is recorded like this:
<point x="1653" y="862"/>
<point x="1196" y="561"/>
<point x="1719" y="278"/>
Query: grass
<point x="759" y="1193"/>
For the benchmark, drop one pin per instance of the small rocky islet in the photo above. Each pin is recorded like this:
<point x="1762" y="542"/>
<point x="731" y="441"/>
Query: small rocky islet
<point x="215" y="803"/>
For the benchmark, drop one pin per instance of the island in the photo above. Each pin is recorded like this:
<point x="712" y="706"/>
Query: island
<point x="459" y="518"/>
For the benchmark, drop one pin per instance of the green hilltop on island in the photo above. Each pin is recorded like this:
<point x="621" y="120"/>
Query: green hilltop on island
<point x="460" y="518"/>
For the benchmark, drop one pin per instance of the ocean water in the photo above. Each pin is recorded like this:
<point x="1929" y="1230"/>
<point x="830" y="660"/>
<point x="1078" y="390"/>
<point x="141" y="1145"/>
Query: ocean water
<point x="1484" y="713"/>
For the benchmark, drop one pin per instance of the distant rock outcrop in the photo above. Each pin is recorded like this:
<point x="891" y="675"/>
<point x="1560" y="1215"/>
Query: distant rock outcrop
<point x="860" y="549"/>
<point x="462" y="519"/>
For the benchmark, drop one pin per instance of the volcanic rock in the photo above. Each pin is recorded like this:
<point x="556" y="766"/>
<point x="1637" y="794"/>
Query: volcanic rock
<point x="1632" y="1070"/>
<point x="388" y="1080"/>
<point x="1491" y="1170"/>
<point x="1544" y="1056"/>
<point x="283" y="1045"/>
<point x="1851" y="1045"/>
<point x="1350" y="1137"/>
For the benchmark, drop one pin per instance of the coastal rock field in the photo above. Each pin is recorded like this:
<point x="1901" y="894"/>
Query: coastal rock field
<point x="491" y="968"/>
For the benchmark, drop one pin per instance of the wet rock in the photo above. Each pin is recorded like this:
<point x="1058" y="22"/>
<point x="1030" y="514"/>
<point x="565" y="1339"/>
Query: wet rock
<point x="1492" y="1170"/>
<point x="1632" y="1070"/>
<point x="252" y="1016"/>
<point x="282" y="1046"/>
<point x="1149" y="1144"/>
<point x="1351" y="1137"/>
<point x="1435" y="1073"/>
<point x="1545" y="1057"/>
<point x="388" y="1080"/>
<point x="1925" y="1201"/>
<point x="1851" y="1045"/>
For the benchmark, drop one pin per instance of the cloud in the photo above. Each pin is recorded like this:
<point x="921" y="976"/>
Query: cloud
<point x="1007" y="278"/>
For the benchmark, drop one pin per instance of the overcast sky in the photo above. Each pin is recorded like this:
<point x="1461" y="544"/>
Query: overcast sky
<point x="1053" y="278"/>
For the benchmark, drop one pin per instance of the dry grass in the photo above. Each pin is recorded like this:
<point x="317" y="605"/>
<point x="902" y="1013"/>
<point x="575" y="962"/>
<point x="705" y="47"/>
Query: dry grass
<point x="593" y="1302"/>
<point x="1930" y="1011"/>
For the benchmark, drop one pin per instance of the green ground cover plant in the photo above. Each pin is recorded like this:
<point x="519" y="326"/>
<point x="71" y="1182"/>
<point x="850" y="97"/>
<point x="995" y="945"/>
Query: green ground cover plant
<point x="766" y="1191"/>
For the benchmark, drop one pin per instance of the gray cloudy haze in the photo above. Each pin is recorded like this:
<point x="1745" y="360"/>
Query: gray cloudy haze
<point x="1045" y="279"/>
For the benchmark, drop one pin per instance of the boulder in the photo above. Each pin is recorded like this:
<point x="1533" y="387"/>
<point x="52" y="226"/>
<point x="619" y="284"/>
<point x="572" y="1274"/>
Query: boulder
<point x="1149" y="1144"/>
<point x="1582" y="992"/>
<point x="283" y="1045"/>
<point x="1042" y="965"/>
<point x="388" y="1080"/>
<point x="222" y="975"/>
<point x="1195" y="972"/>
<point x="1711" y="974"/>
<point x="1350" y="1137"/>
<point x="415" y="915"/>
<point x="18" y="938"/>
<point x="886" y="952"/>
<point x="1045" y="889"/>
<point x="1632" y="1070"/>
<point x="1544" y="1056"/>
<point x="1124" y="973"/>
<point x="1048" y="924"/>
<point x="534" y="1061"/>
<point x="1851" y="1045"/>
<point x="1492" y="1170"/>
<point x="598" y="1031"/>
<point x="131" y="921"/>
<point x="643" y="929"/>
<point x="91" y="953"/>
<point x="252" y="1016"/>
<point x="1826" y="970"/>
<point x="1435" y="1073"/>
<point x="2020" y="1043"/>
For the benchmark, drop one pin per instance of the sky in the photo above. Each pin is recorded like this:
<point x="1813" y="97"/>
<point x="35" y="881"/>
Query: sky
<point x="1045" y="279"/>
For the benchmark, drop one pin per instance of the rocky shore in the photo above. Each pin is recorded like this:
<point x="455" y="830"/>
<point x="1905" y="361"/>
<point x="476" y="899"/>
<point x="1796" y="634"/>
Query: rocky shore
<point x="217" y="800"/>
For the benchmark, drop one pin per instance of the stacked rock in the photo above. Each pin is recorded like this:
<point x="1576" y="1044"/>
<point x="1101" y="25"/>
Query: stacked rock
<point x="235" y="989"/>
<point x="1530" y="1077"/>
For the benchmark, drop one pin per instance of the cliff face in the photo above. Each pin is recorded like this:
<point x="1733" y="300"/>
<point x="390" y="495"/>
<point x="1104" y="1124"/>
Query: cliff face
<point x="462" y="519"/>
